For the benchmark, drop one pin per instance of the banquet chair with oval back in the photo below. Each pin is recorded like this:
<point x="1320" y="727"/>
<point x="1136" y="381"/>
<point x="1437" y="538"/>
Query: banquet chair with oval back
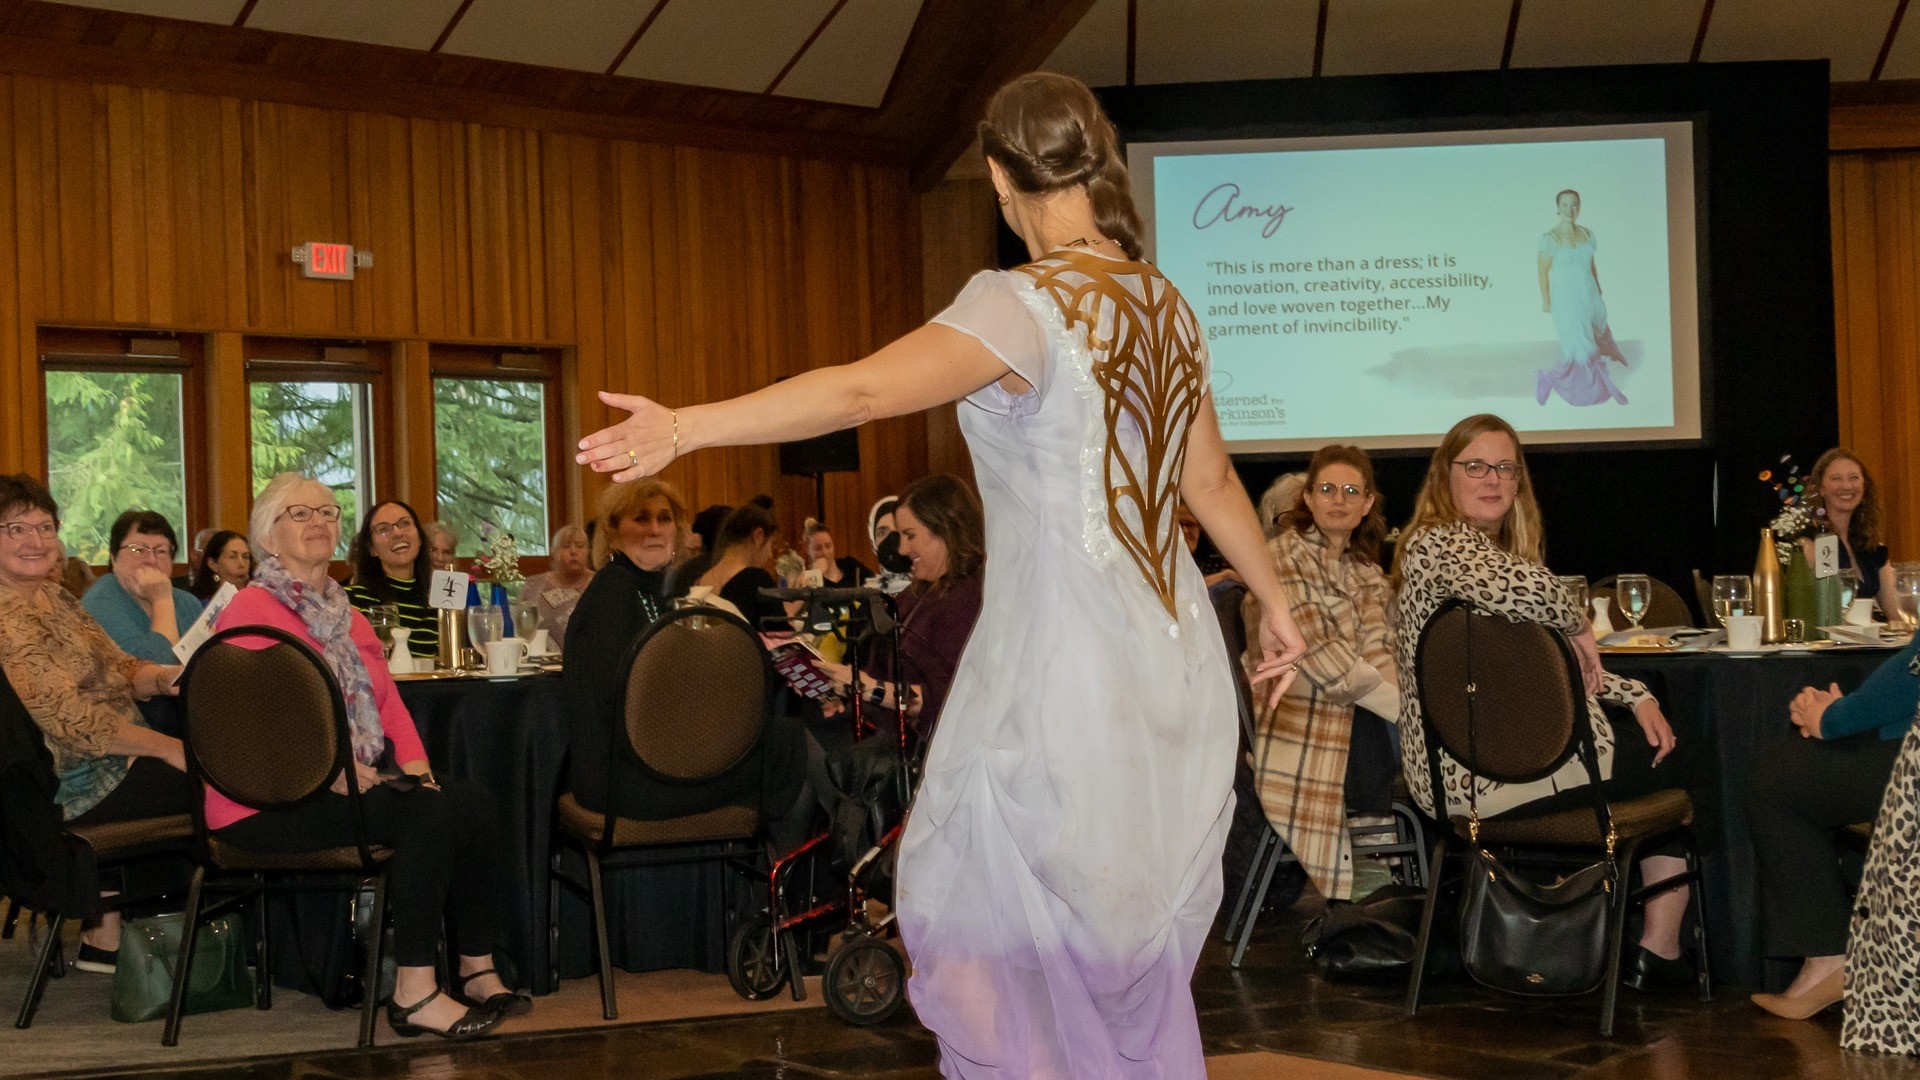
<point x="1665" y="606"/>
<point x="267" y="727"/>
<point x="53" y="869"/>
<point x="694" y="705"/>
<point x="1506" y="701"/>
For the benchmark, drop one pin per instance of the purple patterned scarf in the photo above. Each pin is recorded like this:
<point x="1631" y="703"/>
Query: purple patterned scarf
<point x="329" y="618"/>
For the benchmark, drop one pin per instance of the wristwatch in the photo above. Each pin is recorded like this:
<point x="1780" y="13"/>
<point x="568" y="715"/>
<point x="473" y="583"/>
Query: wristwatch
<point x="878" y="695"/>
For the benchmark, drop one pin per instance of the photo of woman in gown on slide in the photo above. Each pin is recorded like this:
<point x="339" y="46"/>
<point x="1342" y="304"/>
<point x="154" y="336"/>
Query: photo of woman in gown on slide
<point x="1570" y="292"/>
<point x="1060" y="867"/>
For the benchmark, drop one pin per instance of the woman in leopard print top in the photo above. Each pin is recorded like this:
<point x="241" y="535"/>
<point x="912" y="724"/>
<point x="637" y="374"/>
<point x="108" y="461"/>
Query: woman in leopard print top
<point x="1476" y="536"/>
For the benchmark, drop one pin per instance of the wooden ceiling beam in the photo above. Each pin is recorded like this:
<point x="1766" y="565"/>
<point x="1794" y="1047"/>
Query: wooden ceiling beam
<point x="62" y="42"/>
<point x="959" y="53"/>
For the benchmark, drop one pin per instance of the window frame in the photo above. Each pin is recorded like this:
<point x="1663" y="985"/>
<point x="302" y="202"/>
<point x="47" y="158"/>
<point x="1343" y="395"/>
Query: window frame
<point x="270" y="359"/>
<point x="90" y="349"/>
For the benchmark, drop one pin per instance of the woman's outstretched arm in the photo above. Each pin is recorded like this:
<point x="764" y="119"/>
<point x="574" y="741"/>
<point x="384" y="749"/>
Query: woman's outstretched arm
<point x="930" y="366"/>
<point x="1213" y="492"/>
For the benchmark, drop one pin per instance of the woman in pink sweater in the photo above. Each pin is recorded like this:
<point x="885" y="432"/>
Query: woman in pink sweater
<point x="439" y="832"/>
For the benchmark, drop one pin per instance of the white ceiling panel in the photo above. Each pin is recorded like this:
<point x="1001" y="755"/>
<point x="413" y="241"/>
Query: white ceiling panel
<point x="1846" y="32"/>
<point x="853" y="59"/>
<point x="1095" y="51"/>
<point x="415" y="24"/>
<point x="1575" y="33"/>
<point x="732" y="44"/>
<point x="1370" y="37"/>
<point x="582" y="35"/>
<point x="1221" y="40"/>
<point x="213" y="11"/>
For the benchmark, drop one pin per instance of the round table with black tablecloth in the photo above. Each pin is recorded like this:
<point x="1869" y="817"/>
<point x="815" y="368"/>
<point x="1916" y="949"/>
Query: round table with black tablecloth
<point x="1732" y="708"/>
<point x="510" y="736"/>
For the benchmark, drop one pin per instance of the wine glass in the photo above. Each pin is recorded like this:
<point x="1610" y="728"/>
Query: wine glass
<point x="483" y="626"/>
<point x="1732" y="595"/>
<point x="1633" y="592"/>
<point x="1576" y="585"/>
<point x="1906" y="595"/>
<point x="383" y="618"/>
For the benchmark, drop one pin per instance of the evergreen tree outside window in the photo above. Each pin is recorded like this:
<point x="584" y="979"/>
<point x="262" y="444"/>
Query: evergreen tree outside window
<point x="321" y="430"/>
<point x="116" y="440"/>
<point x="490" y="448"/>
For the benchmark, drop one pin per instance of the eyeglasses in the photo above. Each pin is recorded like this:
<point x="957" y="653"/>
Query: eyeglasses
<point x="20" y="530"/>
<point x="141" y="551"/>
<point x="303" y="514"/>
<point x="1476" y="468"/>
<point x="384" y="531"/>
<point x="1329" y="490"/>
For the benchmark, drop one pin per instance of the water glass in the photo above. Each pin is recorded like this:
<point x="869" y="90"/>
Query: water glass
<point x="483" y="626"/>
<point x="1849" y="587"/>
<point x="1732" y="596"/>
<point x="1633" y="592"/>
<point x="1905" y="605"/>
<point x="1576" y="585"/>
<point x="383" y="618"/>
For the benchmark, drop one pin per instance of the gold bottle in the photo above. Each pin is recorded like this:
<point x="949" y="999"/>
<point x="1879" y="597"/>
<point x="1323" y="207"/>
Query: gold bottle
<point x="1769" y="599"/>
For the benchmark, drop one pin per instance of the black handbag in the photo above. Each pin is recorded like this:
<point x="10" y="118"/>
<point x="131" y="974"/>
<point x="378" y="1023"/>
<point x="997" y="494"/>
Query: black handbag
<point x="1375" y="938"/>
<point x="1525" y="937"/>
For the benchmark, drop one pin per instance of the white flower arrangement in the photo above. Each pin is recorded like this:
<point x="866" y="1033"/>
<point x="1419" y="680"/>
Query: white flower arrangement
<point x="1793" y="523"/>
<point x="501" y="558"/>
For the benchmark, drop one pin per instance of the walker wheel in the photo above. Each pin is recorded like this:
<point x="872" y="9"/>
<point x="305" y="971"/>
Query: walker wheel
<point x="865" y="981"/>
<point x="750" y="966"/>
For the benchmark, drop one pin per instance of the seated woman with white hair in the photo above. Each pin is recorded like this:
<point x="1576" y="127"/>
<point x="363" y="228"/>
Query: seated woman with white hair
<point x="556" y="592"/>
<point x="443" y="833"/>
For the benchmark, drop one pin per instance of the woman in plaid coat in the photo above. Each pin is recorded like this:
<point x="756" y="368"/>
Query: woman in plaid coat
<point x="1327" y="553"/>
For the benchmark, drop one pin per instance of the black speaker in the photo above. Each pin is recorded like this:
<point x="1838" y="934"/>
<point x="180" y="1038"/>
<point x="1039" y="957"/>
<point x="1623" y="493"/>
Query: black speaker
<point x="837" y="452"/>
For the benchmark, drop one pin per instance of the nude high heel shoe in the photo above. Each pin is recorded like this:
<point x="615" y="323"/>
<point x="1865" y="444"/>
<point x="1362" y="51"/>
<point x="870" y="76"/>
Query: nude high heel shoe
<point x="1823" y="995"/>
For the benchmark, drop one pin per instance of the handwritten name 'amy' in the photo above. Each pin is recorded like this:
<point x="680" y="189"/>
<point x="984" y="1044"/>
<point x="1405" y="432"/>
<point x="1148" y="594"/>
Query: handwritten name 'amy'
<point x="1226" y="203"/>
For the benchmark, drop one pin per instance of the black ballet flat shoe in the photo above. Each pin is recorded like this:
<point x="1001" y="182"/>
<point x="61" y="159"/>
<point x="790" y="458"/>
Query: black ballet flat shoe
<point x="1646" y="971"/>
<point x="471" y="1026"/>
<point x="504" y="1003"/>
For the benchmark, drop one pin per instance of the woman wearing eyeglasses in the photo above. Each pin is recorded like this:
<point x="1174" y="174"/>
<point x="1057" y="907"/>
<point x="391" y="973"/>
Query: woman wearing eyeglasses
<point x="137" y="605"/>
<point x="81" y="691"/>
<point x="1476" y="536"/>
<point x="392" y="564"/>
<point x="1327" y="554"/>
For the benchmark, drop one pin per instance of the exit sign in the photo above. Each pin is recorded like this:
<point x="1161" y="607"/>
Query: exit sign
<point x="335" y="262"/>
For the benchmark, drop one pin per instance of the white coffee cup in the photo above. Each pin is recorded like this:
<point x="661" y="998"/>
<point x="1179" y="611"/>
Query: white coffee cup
<point x="1860" y="612"/>
<point x="542" y="643"/>
<point x="504" y="656"/>
<point x="1743" y="632"/>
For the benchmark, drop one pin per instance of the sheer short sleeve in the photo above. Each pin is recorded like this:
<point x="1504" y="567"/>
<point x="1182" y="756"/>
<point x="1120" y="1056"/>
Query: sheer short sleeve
<point x="990" y="310"/>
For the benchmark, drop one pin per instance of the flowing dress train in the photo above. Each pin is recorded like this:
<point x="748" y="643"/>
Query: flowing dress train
<point x="1580" y="320"/>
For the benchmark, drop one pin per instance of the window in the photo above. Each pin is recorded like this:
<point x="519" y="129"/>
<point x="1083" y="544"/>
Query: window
<point x="119" y="432"/>
<point x="491" y="454"/>
<point x="313" y="412"/>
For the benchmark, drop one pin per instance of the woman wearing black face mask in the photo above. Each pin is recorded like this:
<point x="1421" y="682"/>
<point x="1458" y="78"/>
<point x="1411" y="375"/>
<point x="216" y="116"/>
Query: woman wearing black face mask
<point x="886" y="542"/>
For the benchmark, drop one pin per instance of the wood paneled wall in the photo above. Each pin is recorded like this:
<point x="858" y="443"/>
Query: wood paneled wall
<point x="1876" y="279"/>
<point x="683" y="274"/>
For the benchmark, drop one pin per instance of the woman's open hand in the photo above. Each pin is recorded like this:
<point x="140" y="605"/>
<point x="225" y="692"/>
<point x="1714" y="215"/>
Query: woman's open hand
<point x="1653" y="724"/>
<point x="639" y="446"/>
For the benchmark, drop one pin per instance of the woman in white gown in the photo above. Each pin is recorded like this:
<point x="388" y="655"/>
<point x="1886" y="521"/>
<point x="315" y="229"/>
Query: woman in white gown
<point x="1061" y="865"/>
<point x="1570" y="292"/>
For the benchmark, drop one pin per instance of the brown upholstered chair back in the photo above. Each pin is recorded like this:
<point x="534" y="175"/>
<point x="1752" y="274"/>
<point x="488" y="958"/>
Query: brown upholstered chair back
<point x="698" y="682"/>
<point x="1517" y="682"/>
<point x="266" y="727"/>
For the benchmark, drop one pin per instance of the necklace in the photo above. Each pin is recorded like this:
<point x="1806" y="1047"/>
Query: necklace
<point x="1090" y="242"/>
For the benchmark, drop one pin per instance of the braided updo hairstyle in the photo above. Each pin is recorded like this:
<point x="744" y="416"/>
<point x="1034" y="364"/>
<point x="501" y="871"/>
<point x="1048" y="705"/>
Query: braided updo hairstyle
<point x="1049" y="134"/>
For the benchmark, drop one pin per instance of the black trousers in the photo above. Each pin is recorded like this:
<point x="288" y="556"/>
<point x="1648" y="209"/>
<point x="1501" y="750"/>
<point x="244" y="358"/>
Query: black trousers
<point x="1798" y="792"/>
<point x="1634" y="776"/>
<point x="152" y="788"/>
<point x="442" y="845"/>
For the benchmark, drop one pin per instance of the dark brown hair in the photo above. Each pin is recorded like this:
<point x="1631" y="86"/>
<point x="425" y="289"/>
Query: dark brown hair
<point x="1863" y="531"/>
<point x="140" y="521"/>
<point x="742" y="524"/>
<point x="951" y="511"/>
<point x="204" y="581"/>
<point x="1364" y="544"/>
<point x="370" y="574"/>
<point x="18" y="491"/>
<point x="1049" y="134"/>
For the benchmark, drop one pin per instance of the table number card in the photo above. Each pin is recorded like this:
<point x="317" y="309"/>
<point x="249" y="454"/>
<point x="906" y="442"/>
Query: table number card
<point x="1826" y="556"/>
<point x="449" y="590"/>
